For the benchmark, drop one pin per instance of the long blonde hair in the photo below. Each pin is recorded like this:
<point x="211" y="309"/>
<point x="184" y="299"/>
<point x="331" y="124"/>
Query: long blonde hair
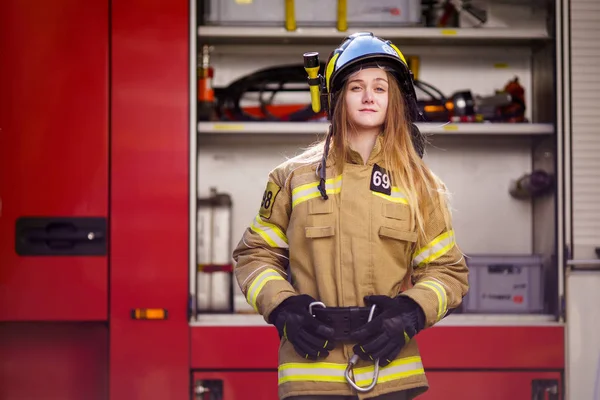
<point x="424" y="190"/>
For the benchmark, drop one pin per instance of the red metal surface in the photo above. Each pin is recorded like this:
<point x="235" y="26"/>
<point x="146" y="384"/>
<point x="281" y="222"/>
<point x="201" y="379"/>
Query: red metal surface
<point x="247" y="347"/>
<point x="442" y="385"/>
<point x="495" y="347"/>
<point x="241" y="385"/>
<point x="471" y="347"/>
<point x="484" y="385"/>
<point x="53" y="150"/>
<point x="506" y="350"/>
<point x="53" y="361"/>
<point x="149" y="199"/>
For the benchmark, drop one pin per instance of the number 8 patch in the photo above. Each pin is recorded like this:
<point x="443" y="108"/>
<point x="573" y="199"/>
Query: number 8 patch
<point x="380" y="181"/>
<point x="268" y="199"/>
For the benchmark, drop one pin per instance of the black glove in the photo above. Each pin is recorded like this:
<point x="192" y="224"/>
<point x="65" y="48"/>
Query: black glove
<point x="398" y="320"/>
<point x="310" y="337"/>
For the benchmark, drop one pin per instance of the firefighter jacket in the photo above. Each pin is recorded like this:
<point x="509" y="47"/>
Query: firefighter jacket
<point x="356" y="243"/>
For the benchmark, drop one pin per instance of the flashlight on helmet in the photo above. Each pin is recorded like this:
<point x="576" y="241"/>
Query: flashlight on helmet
<point x="311" y="65"/>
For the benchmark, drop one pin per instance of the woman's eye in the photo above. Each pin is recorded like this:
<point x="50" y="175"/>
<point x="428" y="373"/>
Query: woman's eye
<point x="355" y="88"/>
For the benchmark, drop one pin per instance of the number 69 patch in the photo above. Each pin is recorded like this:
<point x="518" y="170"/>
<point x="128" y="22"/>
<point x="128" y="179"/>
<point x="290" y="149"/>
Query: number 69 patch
<point x="380" y="181"/>
<point x="268" y="199"/>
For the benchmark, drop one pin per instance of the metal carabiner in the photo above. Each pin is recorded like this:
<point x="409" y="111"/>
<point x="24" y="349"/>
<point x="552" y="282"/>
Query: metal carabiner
<point x="315" y="303"/>
<point x="354" y="359"/>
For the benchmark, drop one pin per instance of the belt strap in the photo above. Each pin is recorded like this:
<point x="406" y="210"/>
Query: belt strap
<point x="343" y="320"/>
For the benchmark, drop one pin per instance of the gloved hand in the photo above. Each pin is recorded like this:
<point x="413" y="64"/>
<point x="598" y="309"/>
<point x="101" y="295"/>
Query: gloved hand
<point x="310" y="337"/>
<point x="398" y="321"/>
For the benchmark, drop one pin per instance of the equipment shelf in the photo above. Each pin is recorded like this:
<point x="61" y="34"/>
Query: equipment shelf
<point x="248" y="320"/>
<point x="308" y="35"/>
<point x="320" y="128"/>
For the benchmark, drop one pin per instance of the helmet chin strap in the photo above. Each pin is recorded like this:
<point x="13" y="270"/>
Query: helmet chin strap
<point x="323" y="169"/>
<point x="417" y="139"/>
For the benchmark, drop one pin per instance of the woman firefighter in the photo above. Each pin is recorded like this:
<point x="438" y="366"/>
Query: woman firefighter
<point x="352" y="252"/>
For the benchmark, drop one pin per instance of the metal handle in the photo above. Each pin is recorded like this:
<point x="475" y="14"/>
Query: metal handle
<point x="60" y="236"/>
<point x="590" y="265"/>
<point x="315" y="303"/>
<point x="63" y="233"/>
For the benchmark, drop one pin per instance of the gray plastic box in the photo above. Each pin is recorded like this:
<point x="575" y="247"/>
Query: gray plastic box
<point x="505" y="284"/>
<point x="314" y="13"/>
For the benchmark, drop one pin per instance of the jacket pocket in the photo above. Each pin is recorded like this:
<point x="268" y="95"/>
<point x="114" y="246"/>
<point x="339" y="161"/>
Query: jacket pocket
<point x="398" y="212"/>
<point x="407" y="236"/>
<point x="320" y="233"/>
<point x="314" y="232"/>
<point x="319" y="206"/>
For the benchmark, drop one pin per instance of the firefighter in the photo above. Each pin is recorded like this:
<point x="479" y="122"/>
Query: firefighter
<point x="352" y="252"/>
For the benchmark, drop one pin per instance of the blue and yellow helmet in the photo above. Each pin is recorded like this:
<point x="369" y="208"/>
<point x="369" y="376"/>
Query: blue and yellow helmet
<point x="359" y="50"/>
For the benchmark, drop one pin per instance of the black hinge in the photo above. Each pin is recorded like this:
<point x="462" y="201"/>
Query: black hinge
<point x="544" y="389"/>
<point x="51" y="236"/>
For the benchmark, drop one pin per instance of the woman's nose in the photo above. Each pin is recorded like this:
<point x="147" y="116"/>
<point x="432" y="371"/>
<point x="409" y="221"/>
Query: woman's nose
<point x="367" y="96"/>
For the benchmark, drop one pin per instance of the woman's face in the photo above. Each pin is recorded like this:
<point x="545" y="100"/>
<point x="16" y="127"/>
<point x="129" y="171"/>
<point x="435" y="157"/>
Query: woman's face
<point x="367" y="98"/>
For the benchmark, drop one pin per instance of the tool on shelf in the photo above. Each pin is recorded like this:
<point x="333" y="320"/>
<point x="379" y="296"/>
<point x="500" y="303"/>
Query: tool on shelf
<point x="214" y="278"/>
<point x="206" y="93"/>
<point x="264" y="85"/>
<point x="535" y="184"/>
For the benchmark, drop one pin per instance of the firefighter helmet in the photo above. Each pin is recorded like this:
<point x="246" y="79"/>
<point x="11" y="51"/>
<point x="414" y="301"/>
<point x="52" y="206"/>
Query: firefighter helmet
<point x="362" y="49"/>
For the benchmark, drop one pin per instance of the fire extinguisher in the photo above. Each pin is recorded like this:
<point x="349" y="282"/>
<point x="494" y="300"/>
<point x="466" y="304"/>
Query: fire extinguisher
<point x="214" y="277"/>
<point x="206" y="93"/>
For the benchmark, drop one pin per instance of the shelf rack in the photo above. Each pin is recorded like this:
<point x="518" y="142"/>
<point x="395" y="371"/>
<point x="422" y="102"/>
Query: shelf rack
<point x="316" y="128"/>
<point x="279" y="35"/>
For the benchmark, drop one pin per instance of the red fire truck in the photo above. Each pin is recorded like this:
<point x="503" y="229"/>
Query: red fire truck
<point x="95" y="208"/>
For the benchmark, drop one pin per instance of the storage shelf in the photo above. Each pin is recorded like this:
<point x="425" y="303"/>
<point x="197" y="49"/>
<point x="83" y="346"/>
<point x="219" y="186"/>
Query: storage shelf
<point x="310" y="35"/>
<point x="320" y="128"/>
<point x="452" y="320"/>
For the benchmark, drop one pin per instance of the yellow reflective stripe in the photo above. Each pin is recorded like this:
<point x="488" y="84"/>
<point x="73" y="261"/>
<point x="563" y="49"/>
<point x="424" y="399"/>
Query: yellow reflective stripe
<point x="315" y="372"/>
<point x="440" y="292"/>
<point x="396" y="196"/>
<point x="311" y="190"/>
<point x="435" y="249"/>
<point x="397" y="369"/>
<point x="257" y="285"/>
<point x="329" y="70"/>
<point x="270" y="233"/>
<point x="331" y="372"/>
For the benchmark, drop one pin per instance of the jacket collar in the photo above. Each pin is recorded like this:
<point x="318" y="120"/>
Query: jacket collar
<point x="376" y="155"/>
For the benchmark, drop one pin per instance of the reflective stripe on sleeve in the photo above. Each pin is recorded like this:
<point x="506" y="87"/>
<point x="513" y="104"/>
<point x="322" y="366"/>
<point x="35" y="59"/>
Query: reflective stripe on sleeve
<point x="270" y="233"/>
<point x="396" y="196"/>
<point x="257" y="285"/>
<point x="311" y="190"/>
<point x="332" y="372"/>
<point x="435" y="249"/>
<point x="440" y="292"/>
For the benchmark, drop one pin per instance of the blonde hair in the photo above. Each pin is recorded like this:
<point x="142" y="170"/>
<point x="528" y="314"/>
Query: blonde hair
<point x="424" y="190"/>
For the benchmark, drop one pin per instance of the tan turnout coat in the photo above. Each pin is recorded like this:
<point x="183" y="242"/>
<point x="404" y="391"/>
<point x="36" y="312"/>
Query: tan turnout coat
<point x="357" y="243"/>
